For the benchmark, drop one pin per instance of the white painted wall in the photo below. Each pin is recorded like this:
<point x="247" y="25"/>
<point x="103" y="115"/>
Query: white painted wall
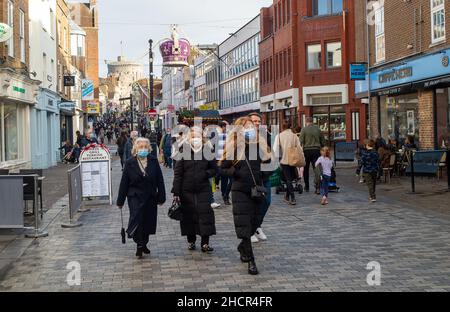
<point x="43" y="41"/>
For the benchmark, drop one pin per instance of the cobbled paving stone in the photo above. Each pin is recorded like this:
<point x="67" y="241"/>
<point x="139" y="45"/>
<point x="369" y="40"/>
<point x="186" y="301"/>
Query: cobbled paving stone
<point x="310" y="248"/>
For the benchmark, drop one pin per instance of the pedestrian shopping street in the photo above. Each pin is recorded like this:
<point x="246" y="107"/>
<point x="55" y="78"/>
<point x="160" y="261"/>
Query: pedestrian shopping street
<point x="310" y="248"/>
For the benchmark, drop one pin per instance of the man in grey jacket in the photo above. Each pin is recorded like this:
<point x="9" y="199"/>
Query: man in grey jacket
<point x="312" y="141"/>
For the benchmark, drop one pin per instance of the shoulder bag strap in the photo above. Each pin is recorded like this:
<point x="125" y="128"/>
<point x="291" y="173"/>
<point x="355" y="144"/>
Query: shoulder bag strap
<point x="251" y="171"/>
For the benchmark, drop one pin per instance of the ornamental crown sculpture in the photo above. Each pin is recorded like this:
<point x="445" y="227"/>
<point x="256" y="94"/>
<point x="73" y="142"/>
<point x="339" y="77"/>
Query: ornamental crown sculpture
<point x="175" y="51"/>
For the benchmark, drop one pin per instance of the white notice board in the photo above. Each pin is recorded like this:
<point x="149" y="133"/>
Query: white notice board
<point x="95" y="163"/>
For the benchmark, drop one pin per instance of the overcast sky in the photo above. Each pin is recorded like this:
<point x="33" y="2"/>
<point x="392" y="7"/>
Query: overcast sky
<point x="136" y="21"/>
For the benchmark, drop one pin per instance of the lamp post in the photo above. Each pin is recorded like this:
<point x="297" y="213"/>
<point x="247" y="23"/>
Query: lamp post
<point x="150" y="77"/>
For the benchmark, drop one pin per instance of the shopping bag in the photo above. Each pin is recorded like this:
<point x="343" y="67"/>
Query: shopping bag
<point x="275" y="178"/>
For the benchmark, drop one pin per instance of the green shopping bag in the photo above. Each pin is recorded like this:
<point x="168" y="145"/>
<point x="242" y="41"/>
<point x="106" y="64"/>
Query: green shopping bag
<point x="275" y="178"/>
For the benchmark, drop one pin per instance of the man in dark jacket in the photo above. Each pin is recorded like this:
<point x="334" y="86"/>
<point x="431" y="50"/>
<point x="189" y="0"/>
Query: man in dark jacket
<point x="312" y="141"/>
<point x="166" y="147"/>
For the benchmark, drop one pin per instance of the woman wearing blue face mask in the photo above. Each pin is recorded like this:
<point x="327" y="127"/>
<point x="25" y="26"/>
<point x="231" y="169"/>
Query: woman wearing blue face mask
<point x="241" y="160"/>
<point x="142" y="185"/>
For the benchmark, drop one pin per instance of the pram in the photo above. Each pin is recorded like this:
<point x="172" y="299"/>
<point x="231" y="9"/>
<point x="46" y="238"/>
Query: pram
<point x="332" y="185"/>
<point x="296" y="183"/>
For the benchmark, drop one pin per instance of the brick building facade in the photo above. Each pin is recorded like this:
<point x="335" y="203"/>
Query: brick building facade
<point x="305" y="53"/>
<point x="409" y="68"/>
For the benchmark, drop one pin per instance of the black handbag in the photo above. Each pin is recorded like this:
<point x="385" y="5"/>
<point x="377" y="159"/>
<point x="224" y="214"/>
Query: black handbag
<point x="174" y="212"/>
<point x="258" y="191"/>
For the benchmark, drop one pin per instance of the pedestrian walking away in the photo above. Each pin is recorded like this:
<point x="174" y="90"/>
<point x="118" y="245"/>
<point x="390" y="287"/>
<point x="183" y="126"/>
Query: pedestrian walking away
<point x="142" y="185"/>
<point x="247" y="176"/>
<point x="312" y="140"/>
<point x="287" y="144"/>
<point x="327" y="165"/>
<point x="370" y="164"/>
<point x="191" y="186"/>
<point x="121" y="141"/>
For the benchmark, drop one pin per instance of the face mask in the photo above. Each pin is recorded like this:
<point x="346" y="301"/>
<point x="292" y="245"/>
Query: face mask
<point x="250" y="134"/>
<point x="196" y="142"/>
<point x="143" y="153"/>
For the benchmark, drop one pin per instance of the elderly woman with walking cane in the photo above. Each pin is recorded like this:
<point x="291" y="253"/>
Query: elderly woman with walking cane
<point x="142" y="184"/>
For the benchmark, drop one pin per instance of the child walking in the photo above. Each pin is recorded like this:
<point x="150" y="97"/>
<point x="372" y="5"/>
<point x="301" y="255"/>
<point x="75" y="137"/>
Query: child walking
<point x="370" y="164"/>
<point x="327" y="165"/>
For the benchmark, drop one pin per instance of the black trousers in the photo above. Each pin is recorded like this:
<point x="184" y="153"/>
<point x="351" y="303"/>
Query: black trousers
<point x="246" y="248"/>
<point x="140" y="238"/>
<point x="311" y="156"/>
<point x="289" y="176"/>
<point x="193" y="238"/>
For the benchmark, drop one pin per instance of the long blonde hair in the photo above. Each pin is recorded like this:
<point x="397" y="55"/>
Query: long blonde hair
<point x="236" y="139"/>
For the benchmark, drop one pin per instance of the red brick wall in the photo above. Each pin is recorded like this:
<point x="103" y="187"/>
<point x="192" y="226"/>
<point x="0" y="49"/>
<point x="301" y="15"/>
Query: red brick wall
<point x="9" y="61"/>
<point x="426" y="120"/>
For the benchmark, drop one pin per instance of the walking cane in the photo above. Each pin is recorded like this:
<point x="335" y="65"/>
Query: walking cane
<point x="122" y="232"/>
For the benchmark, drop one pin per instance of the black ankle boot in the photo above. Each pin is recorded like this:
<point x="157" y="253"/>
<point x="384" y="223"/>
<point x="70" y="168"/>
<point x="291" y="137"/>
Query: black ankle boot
<point x="146" y="250"/>
<point x="244" y="259"/>
<point x="252" y="269"/>
<point x="139" y="252"/>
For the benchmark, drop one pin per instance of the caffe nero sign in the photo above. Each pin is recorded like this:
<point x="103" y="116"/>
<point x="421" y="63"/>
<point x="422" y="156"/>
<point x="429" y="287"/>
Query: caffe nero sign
<point x="395" y="74"/>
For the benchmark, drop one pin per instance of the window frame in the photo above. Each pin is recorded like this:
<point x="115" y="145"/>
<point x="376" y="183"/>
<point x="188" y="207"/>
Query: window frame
<point x="326" y="55"/>
<point x="23" y="51"/>
<point x="10" y="22"/>
<point x="307" y="57"/>
<point x="433" y="11"/>
<point x="380" y="34"/>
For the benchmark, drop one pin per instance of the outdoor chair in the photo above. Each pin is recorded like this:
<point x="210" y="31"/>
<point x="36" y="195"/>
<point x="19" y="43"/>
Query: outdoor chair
<point x="387" y="172"/>
<point x="40" y="173"/>
<point x="442" y="165"/>
<point x="4" y="171"/>
<point x="28" y="192"/>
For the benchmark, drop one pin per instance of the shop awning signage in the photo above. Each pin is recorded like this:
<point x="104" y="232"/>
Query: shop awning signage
<point x="418" y="69"/>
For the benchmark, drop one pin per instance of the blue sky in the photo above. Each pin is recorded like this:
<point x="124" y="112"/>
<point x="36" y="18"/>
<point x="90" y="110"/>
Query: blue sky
<point x="135" y="21"/>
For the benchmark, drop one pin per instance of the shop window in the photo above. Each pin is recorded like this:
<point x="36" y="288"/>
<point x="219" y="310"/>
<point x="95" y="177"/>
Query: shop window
<point x="314" y="55"/>
<point x="437" y="20"/>
<point x="331" y="121"/>
<point x="9" y="144"/>
<point x="399" y="117"/>
<point x="334" y="55"/>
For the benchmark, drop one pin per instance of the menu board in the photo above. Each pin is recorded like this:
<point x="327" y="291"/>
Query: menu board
<point x="95" y="177"/>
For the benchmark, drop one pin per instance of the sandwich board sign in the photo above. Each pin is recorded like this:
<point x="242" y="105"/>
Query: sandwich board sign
<point x="95" y="160"/>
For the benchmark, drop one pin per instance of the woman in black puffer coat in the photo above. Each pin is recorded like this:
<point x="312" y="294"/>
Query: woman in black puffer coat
<point x="246" y="210"/>
<point x="192" y="187"/>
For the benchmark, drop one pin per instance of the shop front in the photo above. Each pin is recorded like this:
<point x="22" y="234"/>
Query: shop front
<point x="17" y="94"/>
<point x="281" y="107"/>
<point x="330" y="109"/>
<point x="67" y="112"/>
<point x="411" y="99"/>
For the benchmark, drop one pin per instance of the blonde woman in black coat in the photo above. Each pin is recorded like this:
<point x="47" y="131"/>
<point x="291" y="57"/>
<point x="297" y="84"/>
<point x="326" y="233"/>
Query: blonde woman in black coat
<point x="142" y="184"/>
<point x="192" y="187"/>
<point x="246" y="209"/>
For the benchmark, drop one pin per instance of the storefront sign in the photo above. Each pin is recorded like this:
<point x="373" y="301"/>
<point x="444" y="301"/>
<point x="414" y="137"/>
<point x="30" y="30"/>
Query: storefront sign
<point x="92" y="107"/>
<point x="358" y="71"/>
<point x="417" y="70"/>
<point x="67" y="105"/>
<point x="69" y="81"/>
<point x="5" y="32"/>
<point x="396" y="74"/>
<point x="20" y="90"/>
<point x="87" y="90"/>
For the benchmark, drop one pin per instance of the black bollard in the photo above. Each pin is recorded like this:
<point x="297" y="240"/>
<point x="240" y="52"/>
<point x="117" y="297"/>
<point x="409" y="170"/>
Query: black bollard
<point x="448" y="168"/>
<point x="413" y="182"/>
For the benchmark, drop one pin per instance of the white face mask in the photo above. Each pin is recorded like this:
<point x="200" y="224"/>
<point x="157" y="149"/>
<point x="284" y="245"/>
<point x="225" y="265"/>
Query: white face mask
<point x="196" y="142"/>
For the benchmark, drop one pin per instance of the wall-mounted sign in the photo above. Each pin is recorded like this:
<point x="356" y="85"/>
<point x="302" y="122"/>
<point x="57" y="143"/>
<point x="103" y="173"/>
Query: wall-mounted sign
<point x="395" y="74"/>
<point x="67" y="105"/>
<point x="18" y="89"/>
<point x="69" y="81"/>
<point x="87" y="90"/>
<point x="92" y="107"/>
<point x="445" y="61"/>
<point x="5" y="32"/>
<point x="358" y="71"/>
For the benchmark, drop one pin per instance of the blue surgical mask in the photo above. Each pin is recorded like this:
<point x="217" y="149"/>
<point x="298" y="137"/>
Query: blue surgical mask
<point x="143" y="153"/>
<point x="250" y="134"/>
